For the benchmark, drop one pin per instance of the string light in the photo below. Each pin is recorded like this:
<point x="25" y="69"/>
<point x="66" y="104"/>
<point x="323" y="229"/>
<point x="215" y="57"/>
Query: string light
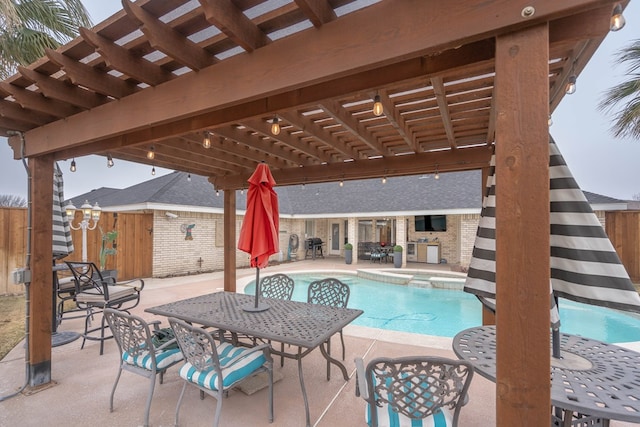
<point x="275" y="126"/>
<point x="73" y="165"/>
<point x="550" y="121"/>
<point x="617" y="20"/>
<point x="571" y="85"/>
<point x="218" y="193"/>
<point x="341" y="183"/>
<point x="151" y="154"/>
<point x="109" y="161"/>
<point x="378" y="109"/>
<point x="242" y="191"/>
<point x="384" y="179"/>
<point x="189" y="177"/>
<point x="437" y="175"/>
<point x="206" y="142"/>
<point x="153" y="171"/>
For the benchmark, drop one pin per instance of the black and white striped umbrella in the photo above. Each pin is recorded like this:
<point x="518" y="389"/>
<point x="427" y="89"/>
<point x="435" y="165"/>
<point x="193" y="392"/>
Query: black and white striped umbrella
<point x="62" y="243"/>
<point x="584" y="265"/>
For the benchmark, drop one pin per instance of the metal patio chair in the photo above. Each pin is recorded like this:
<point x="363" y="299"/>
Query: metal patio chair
<point x="94" y="293"/>
<point x="279" y="286"/>
<point x="414" y="390"/>
<point x="334" y="293"/>
<point x="139" y="353"/>
<point x="216" y="368"/>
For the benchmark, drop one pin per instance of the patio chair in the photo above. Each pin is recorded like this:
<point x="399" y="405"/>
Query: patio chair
<point x="139" y="353"/>
<point x="94" y="293"/>
<point x="279" y="286"/>
<point x="216" y="368"/>
<point x="334" y="293"/>
<point x="413" y="391"/>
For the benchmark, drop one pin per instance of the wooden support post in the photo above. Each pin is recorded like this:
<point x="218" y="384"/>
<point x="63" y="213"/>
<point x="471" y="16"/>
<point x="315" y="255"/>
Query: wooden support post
<point x="40" y="292"/>
<point x="488" y="316"/>
<point x="230" y="240"/>
<point x="522" y="224"/>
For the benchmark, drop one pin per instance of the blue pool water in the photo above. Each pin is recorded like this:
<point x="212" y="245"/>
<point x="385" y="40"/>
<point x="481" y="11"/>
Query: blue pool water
<point x="444" y="312"/>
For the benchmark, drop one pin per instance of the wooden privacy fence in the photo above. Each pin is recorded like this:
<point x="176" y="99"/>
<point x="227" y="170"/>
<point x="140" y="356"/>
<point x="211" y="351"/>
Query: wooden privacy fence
<point x="134" y="244"/>
<point x="623" y="229"/>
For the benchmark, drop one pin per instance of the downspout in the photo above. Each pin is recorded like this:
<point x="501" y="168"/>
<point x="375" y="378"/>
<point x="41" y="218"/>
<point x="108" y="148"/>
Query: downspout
<point x="27" y="262"/>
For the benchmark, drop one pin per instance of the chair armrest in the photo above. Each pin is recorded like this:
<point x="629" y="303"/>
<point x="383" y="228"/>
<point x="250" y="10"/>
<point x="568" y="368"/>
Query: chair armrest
<point x="155" y="324"/>
<point x="265" y="348"/>
<point x="361" y="380"/>
<point x="131" y="284"/>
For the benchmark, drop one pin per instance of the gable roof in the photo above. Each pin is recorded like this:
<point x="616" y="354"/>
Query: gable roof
<point x="454" y="192"/>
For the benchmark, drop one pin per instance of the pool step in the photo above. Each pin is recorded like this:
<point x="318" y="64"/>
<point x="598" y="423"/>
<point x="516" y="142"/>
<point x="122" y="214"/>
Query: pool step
<point x="439" y="282"/>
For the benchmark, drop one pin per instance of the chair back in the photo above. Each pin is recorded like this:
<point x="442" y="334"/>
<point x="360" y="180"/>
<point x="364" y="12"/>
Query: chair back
<point x="415" y="387"/>
<point x="278" y="286"/>
<point x="331" y="292"/>
<point x="87" y="277"/>
<point x="197" y="346"/>
<point x="132" y="333"/>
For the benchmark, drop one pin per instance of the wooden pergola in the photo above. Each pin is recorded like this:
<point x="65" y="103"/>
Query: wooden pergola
<point x="456" y="79"/>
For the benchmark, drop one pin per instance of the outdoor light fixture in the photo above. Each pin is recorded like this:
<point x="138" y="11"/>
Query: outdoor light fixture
<point x="206" y="142"/>
<point x="437" y="174"/>
<point x="617" y="20"/>
<point x="218" y="193"/>
<point x="571" y="85"/>
<point x="109" y="161"/>
<point x="153" y="171"/>
<point x="189" y="177"/>
<point x="341" y="183"/>
<point x="151" y="154"/>
<point x="89" y="213"/>
<point x="378" y="109"/>
<point x="73" y="165"/>
<point x="275" y="126"/>
<point x="242" y="191"/>
<point x="384" y="179"/>
<point x="550" y="121"/>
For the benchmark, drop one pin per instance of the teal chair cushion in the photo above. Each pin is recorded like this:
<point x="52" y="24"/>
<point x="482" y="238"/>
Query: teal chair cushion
<point x="231" y="374"/>
<point x="164" y="358"/>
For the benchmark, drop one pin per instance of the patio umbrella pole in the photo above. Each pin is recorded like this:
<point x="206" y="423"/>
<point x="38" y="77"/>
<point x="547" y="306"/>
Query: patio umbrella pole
<point x="555" y="337"/>
<point x="257" y="306"/>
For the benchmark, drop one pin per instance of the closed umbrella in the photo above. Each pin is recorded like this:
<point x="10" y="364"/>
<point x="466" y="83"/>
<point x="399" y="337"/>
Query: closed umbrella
<point x="584" y="265"/>
<point x="260" y="228"/>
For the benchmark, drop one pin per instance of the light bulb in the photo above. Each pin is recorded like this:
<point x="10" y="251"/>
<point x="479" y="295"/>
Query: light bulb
<point x="550" y="121"/>
<point x="617" y="20"/>
<point x="189" y="177"/>
<point x="571" y="85"/>
<point x="206" y="142"/>
<point x="242" y="191"/>
<point x="109" y="161"/>
<point x="378" y="109"/>
<point x="384" y="179"/>
<point x="153" y="171"/>
<point x="73" y="165"/>
<point x="341" y="183"/>
<point x="275" y="127"/>
<point x="218" y="193"/>
<point x="151" y="154"/>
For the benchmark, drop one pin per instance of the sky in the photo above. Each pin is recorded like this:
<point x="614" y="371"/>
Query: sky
<point x="599" y="162"/>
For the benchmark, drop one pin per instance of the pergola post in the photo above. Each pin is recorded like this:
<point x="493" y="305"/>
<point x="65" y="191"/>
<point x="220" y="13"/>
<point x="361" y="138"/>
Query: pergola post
<point x="488" y="316"/>
<point x="230" y="240"/>
<point x="522" y="227"/>
<point x="41" y="257"/>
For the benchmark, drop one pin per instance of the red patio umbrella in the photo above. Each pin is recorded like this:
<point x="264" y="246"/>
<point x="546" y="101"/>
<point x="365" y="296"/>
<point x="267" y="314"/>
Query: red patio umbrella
<point x="260" y="228"/>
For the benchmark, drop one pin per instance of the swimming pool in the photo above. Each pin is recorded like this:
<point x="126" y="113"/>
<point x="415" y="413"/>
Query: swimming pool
<point x="445" y="312"/>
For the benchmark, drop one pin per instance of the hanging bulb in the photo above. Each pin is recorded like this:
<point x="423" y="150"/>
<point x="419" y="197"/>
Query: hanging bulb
<point x="275" y="126"/>
<point x="206" y="142"/>
<point x="151" y="154"/>
<point x="437" y="174"/>
<point x="384" y="179"/>
<point x="153" y="171"/>
<point x="242" y="191"/>
<point x="341" y="183"/>
<point x="218" y="193"/>
<point x="617" y="20"/>
<point x="571" y="85"/>
<point x="73" y="165"/>
<point x="189" y="177"/>
<point x="109" y="161"/>
<point x="550" y="121"/>
<point x="303" y="186"/>
<point x="378" y="109"/>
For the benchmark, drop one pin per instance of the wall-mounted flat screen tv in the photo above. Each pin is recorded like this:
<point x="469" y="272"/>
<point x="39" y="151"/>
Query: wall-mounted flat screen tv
<point x="431" y="222"/>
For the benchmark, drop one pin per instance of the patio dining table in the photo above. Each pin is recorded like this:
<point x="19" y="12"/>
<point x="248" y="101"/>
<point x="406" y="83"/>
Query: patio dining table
<point x="306" y="326"/>
<point x="592" y="383"/>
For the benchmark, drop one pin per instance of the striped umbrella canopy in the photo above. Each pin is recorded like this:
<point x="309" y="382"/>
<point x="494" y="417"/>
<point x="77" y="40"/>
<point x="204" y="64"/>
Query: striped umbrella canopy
<point x="62" y="243"/>
<point x="584" y="265"/>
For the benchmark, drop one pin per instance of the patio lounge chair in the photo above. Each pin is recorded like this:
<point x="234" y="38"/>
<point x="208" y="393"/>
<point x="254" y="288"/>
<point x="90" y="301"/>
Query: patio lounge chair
<point x="94" y="294"/>
<point x="334" y="293"/>
<point x="413" y="391"/>
<point x="138" y="354"/>
<point x="216" y="368"/>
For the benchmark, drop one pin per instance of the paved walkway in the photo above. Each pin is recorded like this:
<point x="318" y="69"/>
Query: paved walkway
<point x="83" y="379"/>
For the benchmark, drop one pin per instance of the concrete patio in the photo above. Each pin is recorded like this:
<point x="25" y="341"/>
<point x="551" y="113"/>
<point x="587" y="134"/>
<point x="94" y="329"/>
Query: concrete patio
<point x="83" y="379"/>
